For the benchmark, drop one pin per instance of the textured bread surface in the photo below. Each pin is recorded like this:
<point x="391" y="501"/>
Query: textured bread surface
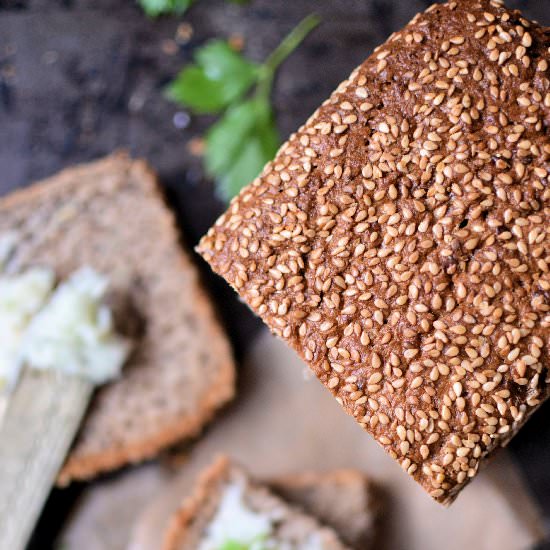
<point x="341" y="499"/>
<point x="399" y="241"/>
<point x="109" y="215"/>
<point x="187" y="526"/>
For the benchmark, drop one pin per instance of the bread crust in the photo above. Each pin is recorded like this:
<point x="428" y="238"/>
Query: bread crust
<point x="212" y="477"/>
<point x="113" y="173"/>
<point x="399" y="241"/>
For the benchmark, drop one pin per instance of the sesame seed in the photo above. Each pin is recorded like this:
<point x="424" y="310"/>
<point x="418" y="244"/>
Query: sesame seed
<point x="526" y="41"/>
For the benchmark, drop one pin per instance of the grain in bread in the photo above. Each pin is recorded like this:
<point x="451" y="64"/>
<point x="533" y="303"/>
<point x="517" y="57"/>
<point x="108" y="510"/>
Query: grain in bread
<point x="109" y="215"/>
<point x="399" y="241"/>
<point x="293" y="529"/>
<point x="341" y="499"/>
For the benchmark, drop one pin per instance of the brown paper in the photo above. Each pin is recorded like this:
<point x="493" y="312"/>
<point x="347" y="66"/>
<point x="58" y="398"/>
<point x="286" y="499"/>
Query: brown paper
<point x="284" y="421"/>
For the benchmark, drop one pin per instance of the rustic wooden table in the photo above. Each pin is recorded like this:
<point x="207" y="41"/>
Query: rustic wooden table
<point x="79" y="78"/>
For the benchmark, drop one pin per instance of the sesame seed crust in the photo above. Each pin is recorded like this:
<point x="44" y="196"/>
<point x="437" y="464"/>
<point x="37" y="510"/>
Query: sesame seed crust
<point x="400" y="239"/>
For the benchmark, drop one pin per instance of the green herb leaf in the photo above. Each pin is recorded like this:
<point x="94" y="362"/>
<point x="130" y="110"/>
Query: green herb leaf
<point x="233" y="545"/>
<point x="245" y="138"/>
<point x="155" y="8"/>
<point x="219" y="77"/>
<point x="240" y="144"/>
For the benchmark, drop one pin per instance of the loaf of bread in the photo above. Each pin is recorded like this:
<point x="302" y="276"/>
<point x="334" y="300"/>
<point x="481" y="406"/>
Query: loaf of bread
<point x="110" y="216"/>
<point x="191" y="526"/>
<point x="399" y="241"/>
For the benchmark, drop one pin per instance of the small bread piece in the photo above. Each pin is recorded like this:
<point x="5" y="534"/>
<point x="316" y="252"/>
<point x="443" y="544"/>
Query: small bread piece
<point x="341" y="499"/>
<point x="109" y="215"/>
<point x="293" y="529"/>
<point x="399" y="241"/>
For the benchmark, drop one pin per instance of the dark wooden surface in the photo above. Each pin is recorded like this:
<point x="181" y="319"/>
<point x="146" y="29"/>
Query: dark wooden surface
<point x="81" y="78"/>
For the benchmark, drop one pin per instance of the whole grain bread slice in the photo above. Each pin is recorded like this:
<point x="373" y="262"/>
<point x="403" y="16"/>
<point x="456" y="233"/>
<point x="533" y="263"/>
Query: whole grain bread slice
<point x="110" y="215"/>
<point x="293" y="528"/>
<point x="341" y="499"/>
<point x="400" y="239"/>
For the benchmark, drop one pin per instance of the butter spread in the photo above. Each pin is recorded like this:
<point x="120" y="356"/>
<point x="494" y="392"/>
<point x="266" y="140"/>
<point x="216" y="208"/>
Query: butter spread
<point x="74" y="331"/>
<point x="235" y="522"/>
<point x="21" y="297"/>
<point x="236" y="525"/>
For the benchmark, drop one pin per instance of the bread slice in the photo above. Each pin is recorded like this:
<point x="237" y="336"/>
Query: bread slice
<point x="292" y="528"/>
<point x="110" y="215"/>
<point x="400" y="240"/>
<point x="341" y="499"/>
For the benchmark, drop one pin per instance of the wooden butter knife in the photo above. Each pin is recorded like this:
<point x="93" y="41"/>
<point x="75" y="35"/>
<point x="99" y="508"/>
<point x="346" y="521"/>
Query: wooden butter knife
<point x="40" y="421"/>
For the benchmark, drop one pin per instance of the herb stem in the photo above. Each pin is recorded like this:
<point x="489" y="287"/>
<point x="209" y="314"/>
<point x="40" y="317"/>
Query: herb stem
<point x="291" y="42"/>
<point x="282" y="51"/>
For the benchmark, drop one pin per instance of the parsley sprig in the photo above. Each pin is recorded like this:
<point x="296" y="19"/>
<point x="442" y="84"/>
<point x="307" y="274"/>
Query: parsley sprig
<point x="257" y="544"/>
<point x="233" y="545"/>
<point x="222" y="81"/>
<point x="154" y="8"/>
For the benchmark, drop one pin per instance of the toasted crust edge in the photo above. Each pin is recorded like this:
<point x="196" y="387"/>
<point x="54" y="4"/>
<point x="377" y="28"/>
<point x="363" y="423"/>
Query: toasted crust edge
<point x="181" y="520"/>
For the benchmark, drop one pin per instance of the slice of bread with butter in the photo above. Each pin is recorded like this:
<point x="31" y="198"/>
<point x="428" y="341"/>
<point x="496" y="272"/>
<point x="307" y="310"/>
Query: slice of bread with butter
<point x="107" y="222"/>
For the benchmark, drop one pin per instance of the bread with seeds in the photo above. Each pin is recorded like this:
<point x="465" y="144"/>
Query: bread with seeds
<point x="230" y="511"/>
<point x="399" y="241"/>
<point x="109" y="215"/>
